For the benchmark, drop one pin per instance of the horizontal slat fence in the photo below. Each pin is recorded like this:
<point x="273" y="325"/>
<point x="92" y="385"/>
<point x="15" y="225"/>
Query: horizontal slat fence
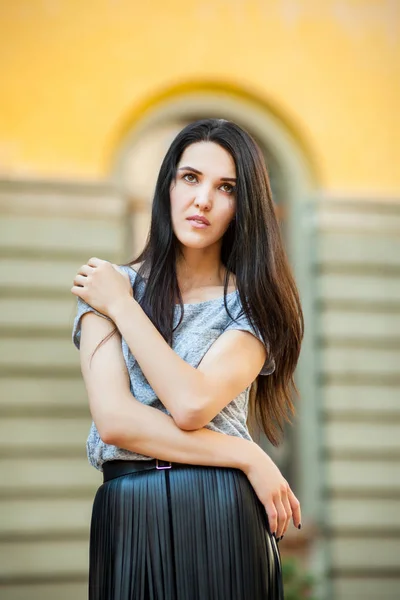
<point x="46" y="484"/>
<point x="357" y="266"/>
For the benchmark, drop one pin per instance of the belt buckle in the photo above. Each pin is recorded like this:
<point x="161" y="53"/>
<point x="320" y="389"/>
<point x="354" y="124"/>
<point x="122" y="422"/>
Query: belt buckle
<point x="167" y="467"/>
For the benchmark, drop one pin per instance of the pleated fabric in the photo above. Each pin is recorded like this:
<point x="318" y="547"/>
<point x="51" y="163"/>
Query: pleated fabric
<point x="193" y="533"/>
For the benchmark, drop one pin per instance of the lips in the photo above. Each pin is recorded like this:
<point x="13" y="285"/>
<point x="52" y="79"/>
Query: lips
<point x="199" y="219"/>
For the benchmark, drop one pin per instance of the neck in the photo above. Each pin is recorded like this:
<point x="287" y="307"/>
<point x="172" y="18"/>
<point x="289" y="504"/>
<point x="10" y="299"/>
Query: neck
<point x="196" y="269"/>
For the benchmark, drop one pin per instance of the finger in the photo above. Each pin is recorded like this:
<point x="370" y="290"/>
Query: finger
<point x="95" y="262"/>
<point x="296" y="510"/>
<point x="80" y="280"/>
<point x="272" y="516"/>
<point x="288" y="510"/>
<point x="85" y="270"/>
<point x="78" y="291"/>
<point x="282" y="518"/>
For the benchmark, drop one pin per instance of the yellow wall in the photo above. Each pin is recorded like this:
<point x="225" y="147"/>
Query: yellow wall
<point x="72" y="72"/>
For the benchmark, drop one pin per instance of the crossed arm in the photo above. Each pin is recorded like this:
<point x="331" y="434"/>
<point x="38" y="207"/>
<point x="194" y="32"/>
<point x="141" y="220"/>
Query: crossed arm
<point x="125" y="422"/>
<point x="193" y="396"/>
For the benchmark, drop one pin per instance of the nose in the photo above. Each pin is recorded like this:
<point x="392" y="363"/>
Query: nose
<point x="203" y="198"/>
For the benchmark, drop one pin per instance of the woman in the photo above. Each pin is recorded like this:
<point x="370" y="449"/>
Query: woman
<point x="191" y="508"/>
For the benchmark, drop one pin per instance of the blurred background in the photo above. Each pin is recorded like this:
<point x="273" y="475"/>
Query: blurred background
<point x="92" y="94"/>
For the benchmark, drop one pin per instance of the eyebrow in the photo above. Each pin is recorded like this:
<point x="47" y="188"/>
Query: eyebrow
<point x="200" y="173"/>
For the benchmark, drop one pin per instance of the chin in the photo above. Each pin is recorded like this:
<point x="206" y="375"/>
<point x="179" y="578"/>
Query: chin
<point x="195" y="245"/>
<point x="195" y="241"/>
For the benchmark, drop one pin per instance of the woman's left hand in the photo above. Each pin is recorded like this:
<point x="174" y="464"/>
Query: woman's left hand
<point x="102" y="285"/>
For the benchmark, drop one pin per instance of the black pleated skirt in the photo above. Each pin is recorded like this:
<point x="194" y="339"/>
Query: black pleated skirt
<point x="193" y="533"/>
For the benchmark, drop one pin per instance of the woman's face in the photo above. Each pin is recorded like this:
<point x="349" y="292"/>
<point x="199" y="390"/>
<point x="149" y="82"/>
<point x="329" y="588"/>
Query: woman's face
<point x="204" y="186"/>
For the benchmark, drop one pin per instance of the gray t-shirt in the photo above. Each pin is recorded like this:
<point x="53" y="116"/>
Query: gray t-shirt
<point x="202" y="324"/>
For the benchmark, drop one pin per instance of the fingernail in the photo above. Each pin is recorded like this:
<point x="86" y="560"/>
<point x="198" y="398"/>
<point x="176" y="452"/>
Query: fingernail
<point x="299" y="526"/>
<point x="281" y="538"/>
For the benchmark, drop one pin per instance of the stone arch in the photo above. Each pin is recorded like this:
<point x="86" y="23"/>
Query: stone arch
<point x="278" y="135"/>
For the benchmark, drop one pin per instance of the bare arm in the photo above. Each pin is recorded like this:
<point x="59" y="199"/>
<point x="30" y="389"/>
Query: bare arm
<point x="125" y="422"/>
<point x="194" y="396"/>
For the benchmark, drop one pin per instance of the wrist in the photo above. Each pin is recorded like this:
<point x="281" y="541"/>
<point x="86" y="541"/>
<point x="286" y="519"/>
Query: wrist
<point x="251" y="455"/>
<point x="245" y="454"/>
<point x="120" y="306"/>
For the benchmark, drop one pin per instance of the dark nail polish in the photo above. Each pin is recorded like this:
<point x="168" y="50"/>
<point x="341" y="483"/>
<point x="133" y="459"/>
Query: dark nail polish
<point x="281" y="538"/>
<point x="299" y="526"/>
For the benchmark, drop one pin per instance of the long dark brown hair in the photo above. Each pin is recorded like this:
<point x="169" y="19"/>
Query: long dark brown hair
<point x="252" y="249"/>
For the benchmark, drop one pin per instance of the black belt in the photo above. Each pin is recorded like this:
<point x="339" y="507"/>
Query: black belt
<point x="117" y="468"/>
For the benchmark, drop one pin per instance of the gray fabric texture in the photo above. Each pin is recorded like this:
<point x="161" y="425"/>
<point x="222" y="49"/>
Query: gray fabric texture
<point x="201" y="325"/>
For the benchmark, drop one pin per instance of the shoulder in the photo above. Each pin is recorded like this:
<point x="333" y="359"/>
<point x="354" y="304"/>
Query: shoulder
<point x="131" y="271"/>
<point x="82" y="308"/>
<point x="241" y="322"/>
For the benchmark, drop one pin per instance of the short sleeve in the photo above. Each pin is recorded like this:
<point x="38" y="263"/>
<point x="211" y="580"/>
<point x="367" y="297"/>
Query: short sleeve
<point x="243" y="324"/>
<point x="82" y="308"/>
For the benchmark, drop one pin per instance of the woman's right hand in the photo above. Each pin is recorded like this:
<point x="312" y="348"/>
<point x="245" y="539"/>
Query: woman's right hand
<point x="273" y="491"/>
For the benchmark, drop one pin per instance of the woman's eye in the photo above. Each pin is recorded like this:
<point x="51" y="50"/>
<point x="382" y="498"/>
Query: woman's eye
<point x="189" y="175"/>
<point x="230" y="189"/>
